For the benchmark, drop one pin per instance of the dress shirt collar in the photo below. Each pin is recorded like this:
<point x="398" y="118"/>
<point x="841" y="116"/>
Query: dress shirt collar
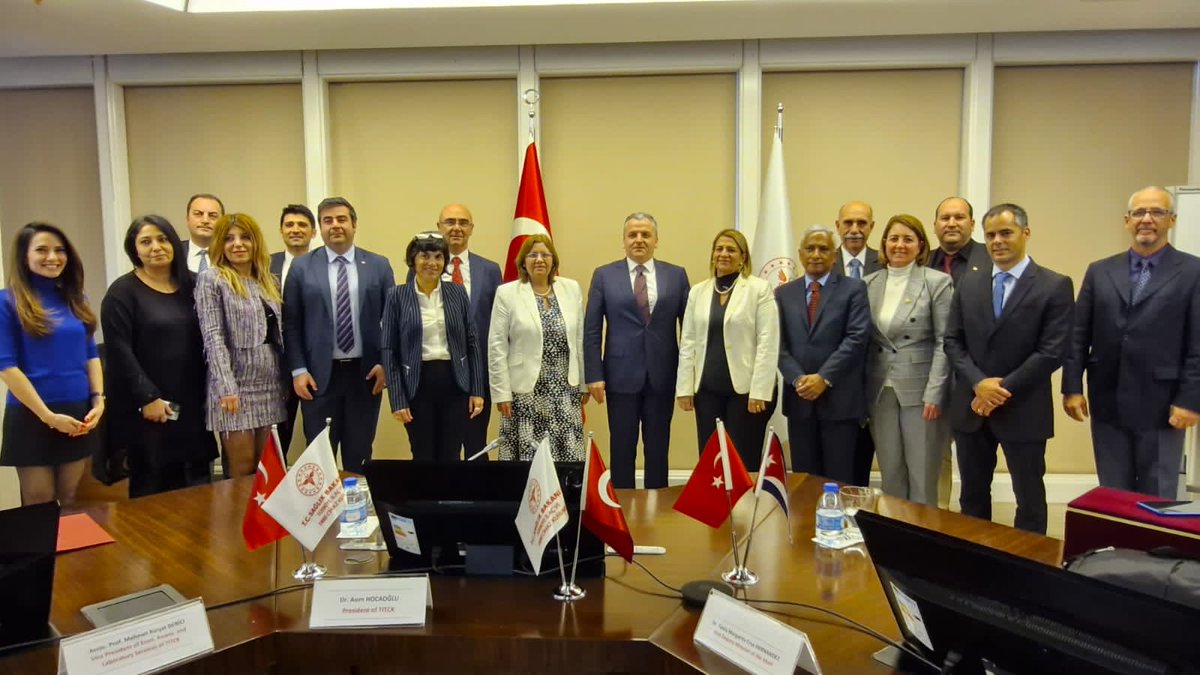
<point x="649" y="265"/>
<point x="1016" y="271"/>
<point x="1153" y="259"/>
<point x="348" y="255"/>
<point x="820" y="280"/>
<point x="465" y="256"/>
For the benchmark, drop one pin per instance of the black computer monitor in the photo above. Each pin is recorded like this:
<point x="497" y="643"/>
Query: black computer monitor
<point x="463" y="516"/>
<point x="28" y="541"/>
<point x="984" y="610"/>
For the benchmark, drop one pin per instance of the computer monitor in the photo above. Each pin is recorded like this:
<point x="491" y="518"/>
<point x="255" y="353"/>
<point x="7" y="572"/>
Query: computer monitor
<point x="28" y="541"/>
<point x="982" y="610"/>
<point x="463" y="512"/>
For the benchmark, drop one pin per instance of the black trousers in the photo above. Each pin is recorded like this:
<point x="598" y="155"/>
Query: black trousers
<point x="864" y="455"/>
<point x="288" y="426"/>
<point x="1026" y="465"/>
<point x="823" y="447"/>
<point x="746" y="429"/>
<point x="439" y="410"/>
<point x="348" y="401"/>
<point x="475" y="430"/>
<point x="651" y="411"/>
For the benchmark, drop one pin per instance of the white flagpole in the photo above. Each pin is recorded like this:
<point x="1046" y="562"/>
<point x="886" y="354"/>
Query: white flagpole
<point x="762" y="471"/>
<point x="728" y="489"/>
<point x="486" y="449"/>
<point x="587" y="463"/>
<point x="279" y="446"/>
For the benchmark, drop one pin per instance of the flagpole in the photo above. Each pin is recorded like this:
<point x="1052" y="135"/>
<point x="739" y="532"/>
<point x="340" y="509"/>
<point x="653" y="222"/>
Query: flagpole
<point x="531" y="97"/>
<point x="739" y="575"/>
<point x="568" y="591"/>
<point x="758" y="492"/>
<point x="779" y="119"/>
<point x="309" y="570"/>
<point x="587" y="463"/>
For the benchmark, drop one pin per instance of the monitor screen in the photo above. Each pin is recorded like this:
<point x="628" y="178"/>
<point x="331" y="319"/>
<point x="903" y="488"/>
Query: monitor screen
<point x="980" y="610"/>
<point x="461" y="517"/>
<point x="28" y="539"/>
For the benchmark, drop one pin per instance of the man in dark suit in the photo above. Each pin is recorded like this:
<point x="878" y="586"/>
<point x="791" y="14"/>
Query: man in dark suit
<point x="1008" y="331"/>
<point x="297" y="227"/>
<point x="824" y="324"/>
<point x="203" y="212"/>
<point x="480" y="277"/>
<point x="1137" y="334"/>
<point x="856" y="260"/>
<point x="642" y="301"/>
<point x="333" y="306"/>
<point x="958" y="253"/>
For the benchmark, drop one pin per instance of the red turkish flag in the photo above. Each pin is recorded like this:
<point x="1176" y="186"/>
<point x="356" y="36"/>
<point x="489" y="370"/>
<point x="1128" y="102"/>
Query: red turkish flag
<point x="601" y="512"/>
<point x="258" y="527"/>
<point x="530" y="216"/>
<point x="717" y="482"/>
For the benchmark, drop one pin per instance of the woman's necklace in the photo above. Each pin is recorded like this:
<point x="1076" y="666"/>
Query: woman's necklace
<point x="549" y="290"/>
<point x="726" y="290"/>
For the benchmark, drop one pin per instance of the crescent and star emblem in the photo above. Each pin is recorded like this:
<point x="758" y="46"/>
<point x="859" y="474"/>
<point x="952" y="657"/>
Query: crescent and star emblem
<point x="605" y="490"/>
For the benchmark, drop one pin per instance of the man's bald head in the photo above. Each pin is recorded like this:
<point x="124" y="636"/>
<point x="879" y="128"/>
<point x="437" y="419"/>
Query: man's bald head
<point x="854" y="223"/>
<point x="456" y="225"/>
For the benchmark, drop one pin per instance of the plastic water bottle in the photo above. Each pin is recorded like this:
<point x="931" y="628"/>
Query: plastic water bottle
<point x="356" y="502"/>
<point x="831" y="517"/>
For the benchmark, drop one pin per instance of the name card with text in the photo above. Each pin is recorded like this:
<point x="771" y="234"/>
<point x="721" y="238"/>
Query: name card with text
<point x="370" y="601"/>
<point x="139" y="645"/>
<point x="752" y="640"/>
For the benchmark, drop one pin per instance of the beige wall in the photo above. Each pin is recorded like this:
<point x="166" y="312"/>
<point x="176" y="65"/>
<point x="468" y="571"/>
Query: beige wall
<point x="402" y="150"/>
<point x="1070" y="145"/>
<point x="50" y="172"/>
<point x="661" y="144"/>
<point x="243" y="143"/>
<point x="887" y="137"/>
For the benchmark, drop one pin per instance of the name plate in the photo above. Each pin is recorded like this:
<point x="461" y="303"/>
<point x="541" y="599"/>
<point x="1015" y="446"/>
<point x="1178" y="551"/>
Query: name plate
<point x="752" y="640"/>
<point x="139" y="645"/>
<point x="370" y="601"/>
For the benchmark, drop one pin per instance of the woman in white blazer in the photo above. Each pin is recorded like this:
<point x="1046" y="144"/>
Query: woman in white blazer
<point x="736" y="383"/>
<point x="907" y="369"/>
<point x="535" y="357"/>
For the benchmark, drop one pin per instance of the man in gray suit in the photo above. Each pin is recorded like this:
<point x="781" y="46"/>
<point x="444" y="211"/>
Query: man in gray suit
<point x="855" y="259"/>
<point x="333" y="306"/>
<point x="480" y="277"/>
<point x="203" y="212"/>
<point x="1137" y="334"/>
<point x="824" y="322"/>
<point x="641" y="299"/>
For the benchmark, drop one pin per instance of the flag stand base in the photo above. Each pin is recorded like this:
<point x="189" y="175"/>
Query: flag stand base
<point x="569" y="593"/>
<point x="309" y="571"/>
<point x="740" y="576"/>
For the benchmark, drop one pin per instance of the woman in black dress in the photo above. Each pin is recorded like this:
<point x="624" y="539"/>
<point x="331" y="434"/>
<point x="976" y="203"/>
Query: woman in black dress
<point x="155" y="364"/>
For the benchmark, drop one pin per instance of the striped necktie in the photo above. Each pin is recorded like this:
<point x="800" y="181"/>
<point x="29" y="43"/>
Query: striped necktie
<point x="344" y="321"/>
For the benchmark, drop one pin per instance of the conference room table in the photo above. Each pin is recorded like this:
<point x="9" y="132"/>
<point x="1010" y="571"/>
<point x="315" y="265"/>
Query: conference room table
<point x="628" y="622"/>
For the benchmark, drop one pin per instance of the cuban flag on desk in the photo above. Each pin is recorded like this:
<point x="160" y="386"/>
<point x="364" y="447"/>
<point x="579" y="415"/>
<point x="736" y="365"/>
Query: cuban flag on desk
<point x="258" y="527"/>
<point x="772" y="477"/>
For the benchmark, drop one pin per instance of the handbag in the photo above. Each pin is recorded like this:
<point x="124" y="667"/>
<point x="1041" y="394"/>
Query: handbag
<point x="1162" y="572"/>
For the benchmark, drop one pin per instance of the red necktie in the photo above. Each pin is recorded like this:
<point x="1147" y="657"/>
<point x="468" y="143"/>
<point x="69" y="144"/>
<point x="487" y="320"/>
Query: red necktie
<point x="814" y="299"/>
<point x="640" y="294"/>
<point x="946" y="259"/>
<point x="456" y="272"/>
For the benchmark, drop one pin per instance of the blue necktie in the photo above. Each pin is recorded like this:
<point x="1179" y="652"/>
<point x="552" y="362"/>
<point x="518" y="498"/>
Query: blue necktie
<point x="856" y="268"/>
<point x="203" y="255"/>
<point x="1139" y="283"/>
<point x="998" y="292"/>
<point x="344" y="321"/>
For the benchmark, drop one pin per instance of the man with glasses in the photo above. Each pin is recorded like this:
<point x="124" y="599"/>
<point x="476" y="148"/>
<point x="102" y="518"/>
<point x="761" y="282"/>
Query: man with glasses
<point x="1137" y="334"/>
<point x="480" y="277"/>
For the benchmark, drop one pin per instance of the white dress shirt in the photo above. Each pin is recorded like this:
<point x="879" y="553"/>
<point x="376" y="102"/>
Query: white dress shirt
<point x="651" y="280"/>
<point x="195" y="252"/>
<point x="287" y="266"/>
<point x="352" y="277"/>
<point x="861" y="258"/>
<point x="464" y="269"/>
<point x="1016" y="272"/>
<point x="434" y="344"/>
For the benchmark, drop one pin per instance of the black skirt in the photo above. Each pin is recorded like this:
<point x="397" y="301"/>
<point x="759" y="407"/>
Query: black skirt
<point x="28" y="441"/>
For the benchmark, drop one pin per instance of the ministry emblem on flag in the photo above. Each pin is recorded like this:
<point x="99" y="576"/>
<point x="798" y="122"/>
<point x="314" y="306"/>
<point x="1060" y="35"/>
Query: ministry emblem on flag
<point x="310" y="479"/>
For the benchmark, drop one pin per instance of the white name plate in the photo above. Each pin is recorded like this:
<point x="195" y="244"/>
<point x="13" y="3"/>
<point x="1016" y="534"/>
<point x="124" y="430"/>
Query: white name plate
<point x="370" y="601"/>
<point x="141" y="644"/>
<point x="752" y="640"/>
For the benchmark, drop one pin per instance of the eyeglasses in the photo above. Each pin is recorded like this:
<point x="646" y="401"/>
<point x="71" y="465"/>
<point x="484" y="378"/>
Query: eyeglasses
<point x="538" y="255"/>
<point x="427" y="235"/>
<point x="1155" y="214"/>
<point x="451" y="222"/>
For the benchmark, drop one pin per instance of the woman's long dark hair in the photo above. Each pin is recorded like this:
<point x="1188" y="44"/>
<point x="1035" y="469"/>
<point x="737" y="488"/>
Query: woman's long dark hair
<point x="180" y="275"/>
<point x="34" y="318"/>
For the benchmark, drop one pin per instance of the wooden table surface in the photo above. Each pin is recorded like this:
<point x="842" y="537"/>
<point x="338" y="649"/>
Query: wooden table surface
<point x="191" y="539"/>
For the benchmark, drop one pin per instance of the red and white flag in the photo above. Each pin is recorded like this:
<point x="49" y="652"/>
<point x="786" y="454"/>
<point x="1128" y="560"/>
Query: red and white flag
<point x="717" y="482"/>
<point x="772" y="477"/>
<point x="258" y="527"/>
<point x="600" y="511"/>
<point x="310" y="498"/>
<point x="530" y="216"/>
<point x="543" y="510"/>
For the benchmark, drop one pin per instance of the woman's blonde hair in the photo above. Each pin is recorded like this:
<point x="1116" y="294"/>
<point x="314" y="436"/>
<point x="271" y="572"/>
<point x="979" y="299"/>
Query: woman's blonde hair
<point x="527" y="246"/>
<point x="739" y="239"/>
<point x="260" y="260"/>
<point x="913" y="223"/>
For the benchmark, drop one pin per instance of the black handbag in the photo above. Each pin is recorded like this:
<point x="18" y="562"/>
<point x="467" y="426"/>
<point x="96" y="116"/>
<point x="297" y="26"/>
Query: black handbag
<point x="1162" y="572"/>
<point x="110" y="457"/>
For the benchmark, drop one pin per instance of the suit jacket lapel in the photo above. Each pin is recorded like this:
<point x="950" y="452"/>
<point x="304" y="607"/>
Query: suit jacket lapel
<point x="827" y="290"/>
<point x="364" y="272"/>
<point x="1166" y="270"/>
<point x="322" y="269"/>
<point x="912" y="290"/>
<point x="1019" y="291"/>
<point x="530" y="303"/>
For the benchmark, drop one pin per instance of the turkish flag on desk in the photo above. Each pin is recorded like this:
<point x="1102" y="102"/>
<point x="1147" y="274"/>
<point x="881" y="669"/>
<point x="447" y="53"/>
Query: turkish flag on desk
<point x="717" y="482"/>
<point x="258" y="527"/>
<point x="601" y="512"/>
<point x="530" y="216"/>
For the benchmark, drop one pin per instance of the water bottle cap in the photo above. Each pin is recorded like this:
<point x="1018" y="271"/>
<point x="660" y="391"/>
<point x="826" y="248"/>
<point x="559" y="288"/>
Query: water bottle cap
<point x="349" y="482"/>
<point x="829" y="487"/>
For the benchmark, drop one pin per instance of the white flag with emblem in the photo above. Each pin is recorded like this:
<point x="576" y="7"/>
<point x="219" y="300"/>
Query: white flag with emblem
<point x="310" y="498"/>
<point x="543" y="509"/>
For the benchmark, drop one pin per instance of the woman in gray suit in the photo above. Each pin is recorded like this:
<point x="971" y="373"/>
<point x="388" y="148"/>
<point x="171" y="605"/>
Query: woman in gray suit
<point x="907" y="369"/>
<point x="238" y="302"/>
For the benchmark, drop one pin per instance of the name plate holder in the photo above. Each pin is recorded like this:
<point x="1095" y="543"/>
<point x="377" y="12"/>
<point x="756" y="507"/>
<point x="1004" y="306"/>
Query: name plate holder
<point x="752" y="640"/>
<point x="370" y="601"/>
<point x="141" y="644"/>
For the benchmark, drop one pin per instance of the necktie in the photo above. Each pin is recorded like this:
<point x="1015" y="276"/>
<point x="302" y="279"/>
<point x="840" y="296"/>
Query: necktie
<point x="641" y="295"/>
<point x="456" y="271"/>
<point x="856" y="268"/>
<point x="814" y="299"/>
<point x="203" y="255"/>
<point x="1143" y="278"/>
<point x="946" y="260"/>
<point x="998" y="292"/>
<point x="343" y="322"/>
